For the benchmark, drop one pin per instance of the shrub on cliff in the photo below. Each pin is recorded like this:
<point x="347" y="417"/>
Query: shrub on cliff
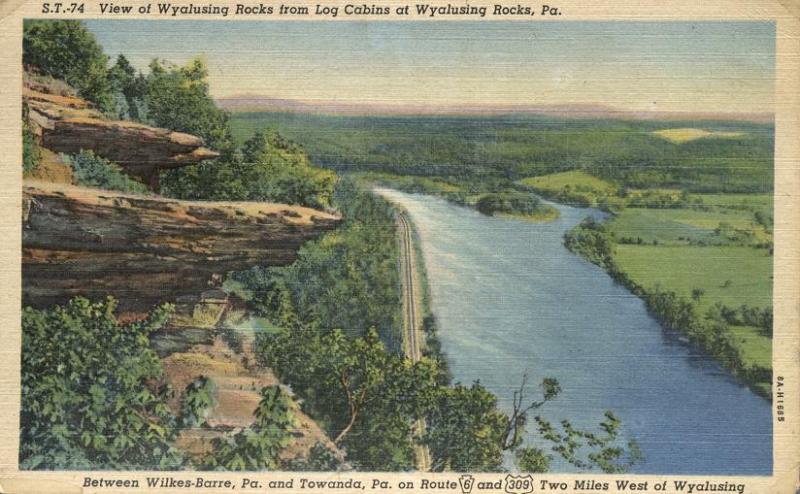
<point x="88" y="398"/>
<point x="197" y="401"/>
<point x="93" y="171"/>
<point x="66" y="50"/>
<point x="31" y="153"/>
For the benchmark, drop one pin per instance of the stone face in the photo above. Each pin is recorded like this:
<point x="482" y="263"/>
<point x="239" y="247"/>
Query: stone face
<point x="146" y="250"/>
<point x="69" y="125"/>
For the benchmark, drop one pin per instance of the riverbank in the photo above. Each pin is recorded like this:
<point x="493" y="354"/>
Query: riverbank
<point x="705" y="259"/>
<point x="738" y="337"/>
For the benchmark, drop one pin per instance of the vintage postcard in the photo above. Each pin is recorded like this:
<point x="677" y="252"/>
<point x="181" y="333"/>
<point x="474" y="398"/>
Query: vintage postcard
<point x="444" y="247"/>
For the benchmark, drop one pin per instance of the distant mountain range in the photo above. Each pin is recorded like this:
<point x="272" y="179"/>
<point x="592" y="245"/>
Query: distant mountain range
<point x="258" y="103"/>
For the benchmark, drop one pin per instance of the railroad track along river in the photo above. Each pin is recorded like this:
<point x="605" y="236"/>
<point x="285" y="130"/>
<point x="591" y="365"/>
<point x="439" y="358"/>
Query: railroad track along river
<point x="412" y="324"/>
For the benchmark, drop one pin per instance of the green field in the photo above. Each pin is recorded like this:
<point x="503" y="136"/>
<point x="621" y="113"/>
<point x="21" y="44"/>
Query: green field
<point x="690" y="226"/>
<point x="732" y="275"/>
<point x="575" y="186"/>
<point x="575" y="179"/>
<point x="729" y="275"/>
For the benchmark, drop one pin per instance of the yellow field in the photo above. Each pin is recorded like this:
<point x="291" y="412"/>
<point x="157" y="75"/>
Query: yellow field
<point x="679" y="136"/>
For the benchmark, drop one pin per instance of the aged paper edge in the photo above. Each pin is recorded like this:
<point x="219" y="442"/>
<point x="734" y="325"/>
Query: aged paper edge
<point x="786" y="356"/>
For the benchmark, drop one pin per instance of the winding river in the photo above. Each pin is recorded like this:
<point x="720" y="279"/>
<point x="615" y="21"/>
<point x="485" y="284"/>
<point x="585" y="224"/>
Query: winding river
<point x="510" y="299"/>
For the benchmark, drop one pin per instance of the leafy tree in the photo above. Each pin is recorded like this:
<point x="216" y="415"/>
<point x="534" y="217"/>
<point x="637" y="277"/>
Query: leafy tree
<point x="269" y="168"/>
<point x="178" y="99"/>
<point x="66" y="50"/>
<point x="257" y="447"/>
<point x="467" y="432"/>
<point x="364" y="396"/>
<point x="88" y="398"/>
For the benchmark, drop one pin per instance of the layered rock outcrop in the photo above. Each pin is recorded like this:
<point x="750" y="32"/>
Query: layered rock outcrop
<point x="66" y="124"/>
<point x="147" y="250"/>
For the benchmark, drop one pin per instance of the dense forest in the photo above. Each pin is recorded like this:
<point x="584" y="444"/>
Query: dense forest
<point x="518" y="146"/>
<point x="93" y="391"/>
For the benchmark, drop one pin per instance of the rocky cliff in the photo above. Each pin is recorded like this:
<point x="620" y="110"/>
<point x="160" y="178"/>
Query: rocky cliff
<point x="66" y="124"/>
<point x="146" y="250"/>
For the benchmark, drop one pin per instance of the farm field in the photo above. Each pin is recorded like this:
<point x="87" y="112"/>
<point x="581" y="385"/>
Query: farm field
<point x="690" y="226"/>
<point x="680" y="136"/>
<point x="731" y="275"/>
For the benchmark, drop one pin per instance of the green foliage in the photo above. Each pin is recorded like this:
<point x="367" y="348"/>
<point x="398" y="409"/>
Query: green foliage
<point x="257" y="447"/>
<point x="66" y="50"/>
<point x="364" y="396"/>
<point x="93" y="171"/>
<point x="466" y="430"/>
<point x="533" y="460"/>
<point x="347" y="279"/>
<point x="128" y="90"/>
<point x="518" y="146"/>
<point x="268" y="169"/>
<point x="589" y="240"/>
<point x="320" y="459"/>
<point x="178" y="99"/>
<point x="31" y="153"/>
<point x="511" y="202"/>
<point x="88" y="398"/>
<point x="608" y="453"/>
<point x="196" y="402"/>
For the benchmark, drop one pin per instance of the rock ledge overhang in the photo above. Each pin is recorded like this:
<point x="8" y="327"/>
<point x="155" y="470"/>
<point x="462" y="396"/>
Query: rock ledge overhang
<point x="145" y="250"/>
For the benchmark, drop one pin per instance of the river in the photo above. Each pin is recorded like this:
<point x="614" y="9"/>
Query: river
<point x="509" y="299"/>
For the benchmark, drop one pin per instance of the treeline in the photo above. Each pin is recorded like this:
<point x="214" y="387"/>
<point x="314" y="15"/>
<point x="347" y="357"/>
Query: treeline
<point x="266" y="168"/>
<point x="710" y="331"/>
<point x="514" y="147"/>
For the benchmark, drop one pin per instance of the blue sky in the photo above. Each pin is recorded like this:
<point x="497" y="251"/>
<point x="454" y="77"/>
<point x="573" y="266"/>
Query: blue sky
<point x="667" y="66"/>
